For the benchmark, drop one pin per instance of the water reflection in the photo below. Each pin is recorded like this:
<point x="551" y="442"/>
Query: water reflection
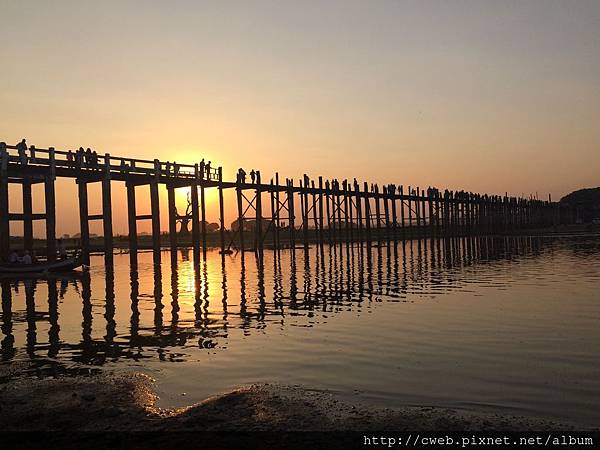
<point x="247" y="292"/>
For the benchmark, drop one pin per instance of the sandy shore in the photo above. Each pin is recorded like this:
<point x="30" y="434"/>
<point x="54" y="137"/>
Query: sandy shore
<point x="127" y="402"/>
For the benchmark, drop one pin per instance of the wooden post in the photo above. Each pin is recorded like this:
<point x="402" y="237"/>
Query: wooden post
<point x="195" y="221"/>
<point x="259" y="219"/>
<point x="221" y="211"/>
<point x="273" y="213"/>
<point x="305" y="209"/>
<point x="386" y="211"/>
<point x="4" y="205"/>
<point x="367" y="211"/>
<point x="321" y="237"/>
<point x="83" y="221"/>
<point x="240" y="216"/>
<point x="292" y="217"/>
<point x="402" y="211"/>
<point x="50" y="206"/>
<point x="107" y="211"/>
<point x="358" y="209"/>
<point x="132" y="222"/>
<point x="203" y="217"/>
<point x="172" y="218"/>
<point x="377" y="213"/>
<point x="328" y="210"/>
<point x="409" y="206"/>
<point x="392" y="188"/>
<point x="155" y="208"/>
<point x="278" y="206"/>
<point x="27" y="215"/>
<point x="347" y="212"/>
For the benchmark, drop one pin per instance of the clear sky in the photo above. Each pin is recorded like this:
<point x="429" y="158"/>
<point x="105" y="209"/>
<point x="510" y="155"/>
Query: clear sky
<point x="485" y="96"/>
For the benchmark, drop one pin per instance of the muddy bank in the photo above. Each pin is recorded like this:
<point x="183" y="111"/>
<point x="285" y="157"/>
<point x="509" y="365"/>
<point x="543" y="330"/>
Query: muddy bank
<point x="127" y="403"/>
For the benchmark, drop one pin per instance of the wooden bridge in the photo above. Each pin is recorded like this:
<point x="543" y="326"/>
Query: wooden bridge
<point x="329" y="211"/>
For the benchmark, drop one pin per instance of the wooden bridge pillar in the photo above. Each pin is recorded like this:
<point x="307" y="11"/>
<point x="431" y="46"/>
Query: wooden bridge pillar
<point x="172" y="209"/>
<point x="394" y="224"/>
<point x="203" y="218"/>
<point x="155" y="208"/>
<point x="4" y="206"/>
<point x="367" y="195"/>
<point x="377" y="213"/>
<point x="277" y="209"/>
<point x="132" y="224"/>
<point x="304" y="200"/>
<point x="27" y="215"/>
<point x="107" y="211"/>
<point x="386" y="211"/>
<point x="50" y="207"/>
<point x="240" y="215"/>
<point x="291" y="212"/>
<point x="84" y="225"/>
<point x="321" y="224"/>
<point x="328" y="210"/>
<point x="221" y="212"/>
<point x="259" y="225"/>
<point x="358" y="209"/>
<point x="195" y="222"/>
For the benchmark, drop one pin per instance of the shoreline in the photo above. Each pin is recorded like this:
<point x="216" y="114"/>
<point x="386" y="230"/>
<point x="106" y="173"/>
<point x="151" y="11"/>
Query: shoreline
<point x="127" y="402"/>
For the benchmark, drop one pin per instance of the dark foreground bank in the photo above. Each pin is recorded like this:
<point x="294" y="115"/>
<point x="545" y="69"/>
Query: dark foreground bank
<point x="118" y="411"/>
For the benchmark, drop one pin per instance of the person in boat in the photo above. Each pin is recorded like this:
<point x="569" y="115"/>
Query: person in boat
<point x="62" y="251"/>
<point x="26" y="259"/>
<point x="13" y="258"/>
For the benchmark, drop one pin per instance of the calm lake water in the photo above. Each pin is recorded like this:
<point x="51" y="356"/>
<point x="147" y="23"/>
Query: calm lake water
<point x="492" y="324"/>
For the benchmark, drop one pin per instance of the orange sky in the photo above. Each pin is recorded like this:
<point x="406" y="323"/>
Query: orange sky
<point x="483" y="96"/>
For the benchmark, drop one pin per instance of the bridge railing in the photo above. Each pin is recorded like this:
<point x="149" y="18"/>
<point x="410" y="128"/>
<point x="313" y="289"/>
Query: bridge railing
<point x="68" y="159"/>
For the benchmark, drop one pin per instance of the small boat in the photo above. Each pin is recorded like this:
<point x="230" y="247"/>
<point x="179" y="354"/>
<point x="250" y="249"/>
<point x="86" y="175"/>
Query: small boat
<point x="64" y="265"/>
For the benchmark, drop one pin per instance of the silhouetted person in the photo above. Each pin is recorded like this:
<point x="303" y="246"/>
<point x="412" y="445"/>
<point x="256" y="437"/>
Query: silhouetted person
<point x="62" y="251"/>
<point x="241" y="175"/>
<point x="252" y="176"/>
<point x="175" y="168"/>
<point x="70" y="158"/>
<point x="13" y="258"/>
<point x="202" y="167"/>
<point x="22" y="151"/>
<point x="208" y="170"/>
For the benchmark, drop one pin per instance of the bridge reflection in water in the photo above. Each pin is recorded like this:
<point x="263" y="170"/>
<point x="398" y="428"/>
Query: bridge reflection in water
<point x="159" y="311"/>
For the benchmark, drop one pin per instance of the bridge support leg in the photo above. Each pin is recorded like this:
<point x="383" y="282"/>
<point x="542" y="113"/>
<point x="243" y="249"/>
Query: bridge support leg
<point x="50" y="200"/>
<point x="259" y="219"/>
<point x="240" y="217"/>
<point x="27" y="215"/>
<point x="195" y="223"/>
<point x="203" y="218"/>
<point x="221" y="212"/>
<point x="107" y="220"/>
<point x="4" y="209"/>
<point x="84" y="225"/>
<point x="172" y="218"/>
<point x="155" y="208"/>
<point x="132" y="222"/>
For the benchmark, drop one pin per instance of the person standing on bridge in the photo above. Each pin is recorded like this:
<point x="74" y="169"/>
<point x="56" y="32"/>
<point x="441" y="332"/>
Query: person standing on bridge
<point x="22" y="151"/>
<point x="202" y="168"/>
<point x="208" y="170"/>
<point x="70" y="158"/>
<point x="241" y="175"/>
<point x="252" y="176"/>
